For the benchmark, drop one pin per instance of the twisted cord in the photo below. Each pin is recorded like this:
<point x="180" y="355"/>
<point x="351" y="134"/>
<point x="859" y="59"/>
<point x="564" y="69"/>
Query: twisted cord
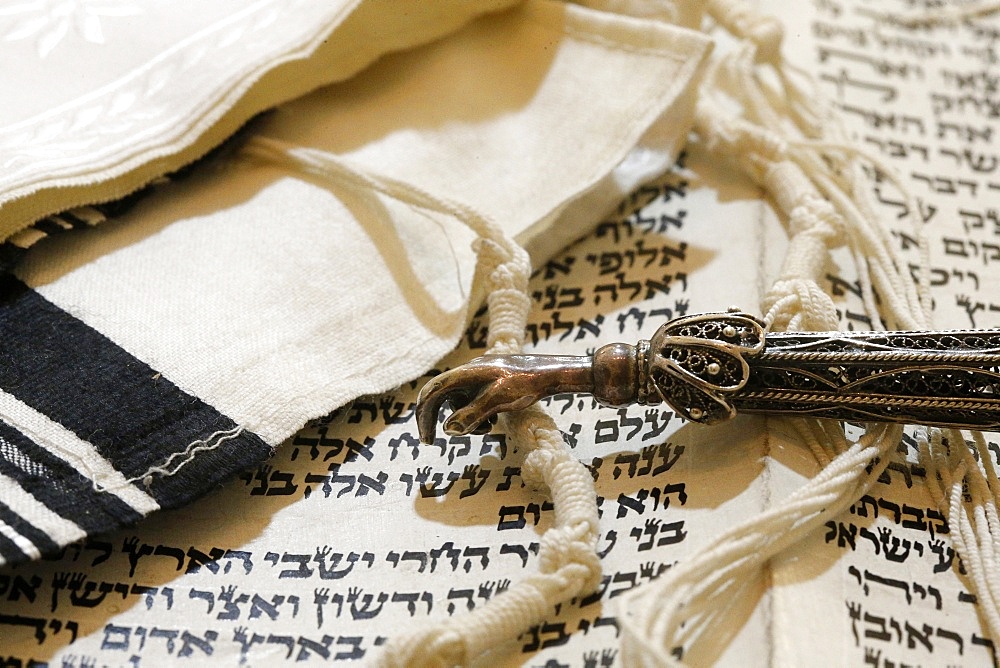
<point x="787" y="141"/>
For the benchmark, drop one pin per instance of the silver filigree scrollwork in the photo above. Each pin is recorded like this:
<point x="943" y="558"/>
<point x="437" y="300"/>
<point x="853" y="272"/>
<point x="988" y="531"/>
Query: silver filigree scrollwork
<point x="696" y="364"/>
<point x="947" y="378"/>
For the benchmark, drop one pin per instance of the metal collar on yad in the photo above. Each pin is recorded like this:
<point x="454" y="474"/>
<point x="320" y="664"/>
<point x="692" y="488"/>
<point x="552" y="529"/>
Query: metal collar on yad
<point x="709" y="367"/>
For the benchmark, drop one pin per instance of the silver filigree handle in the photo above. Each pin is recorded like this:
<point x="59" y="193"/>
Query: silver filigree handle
<point x="709" y="367"/>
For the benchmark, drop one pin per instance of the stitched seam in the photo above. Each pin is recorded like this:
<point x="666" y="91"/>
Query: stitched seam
<point x="168" y="468"/>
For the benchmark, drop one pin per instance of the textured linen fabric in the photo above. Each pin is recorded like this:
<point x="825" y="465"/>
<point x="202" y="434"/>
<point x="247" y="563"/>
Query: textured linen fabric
<point x="153" y="355"/>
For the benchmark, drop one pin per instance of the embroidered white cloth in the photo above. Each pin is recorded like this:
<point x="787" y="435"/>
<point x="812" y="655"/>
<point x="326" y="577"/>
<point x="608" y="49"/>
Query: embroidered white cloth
<point x="102" y="97"/>
<point x="151" y="356"/>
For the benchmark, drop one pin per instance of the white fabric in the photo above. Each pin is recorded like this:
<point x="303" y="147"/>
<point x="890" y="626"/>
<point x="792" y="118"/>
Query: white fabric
<point x="276" y="295"/>
<point x="539" y="95"/>
<point x="683" y="13"/>
<point x="133" y="90"/>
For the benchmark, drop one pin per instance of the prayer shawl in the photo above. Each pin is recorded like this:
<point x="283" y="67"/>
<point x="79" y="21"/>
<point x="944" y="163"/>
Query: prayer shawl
<point x="332" y="252"/>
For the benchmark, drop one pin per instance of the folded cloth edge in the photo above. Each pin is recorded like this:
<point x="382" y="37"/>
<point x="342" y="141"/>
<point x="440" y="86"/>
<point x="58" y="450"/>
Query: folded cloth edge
<point x="318" y="61"/>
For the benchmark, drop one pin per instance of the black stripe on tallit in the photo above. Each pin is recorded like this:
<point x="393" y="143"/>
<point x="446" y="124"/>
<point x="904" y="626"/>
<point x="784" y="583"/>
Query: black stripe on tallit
<point x="10" y="552"/>
<point x="133" y="416"/>
<point x="39" y="538"/>
<point x="59" y="486"/>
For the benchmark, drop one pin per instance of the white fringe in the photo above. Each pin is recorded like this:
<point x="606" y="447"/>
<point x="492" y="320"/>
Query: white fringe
<point x="793" y="147"/>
